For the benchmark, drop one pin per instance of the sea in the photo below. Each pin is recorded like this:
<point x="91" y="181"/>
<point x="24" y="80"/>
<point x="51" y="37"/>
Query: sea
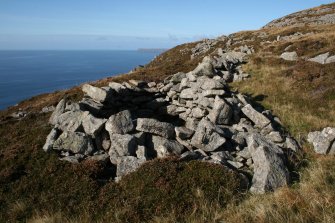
<point x="24" y="74"/>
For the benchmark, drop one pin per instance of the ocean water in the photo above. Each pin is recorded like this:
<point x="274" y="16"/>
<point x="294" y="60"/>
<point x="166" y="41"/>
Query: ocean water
<point x="24" y="74"/>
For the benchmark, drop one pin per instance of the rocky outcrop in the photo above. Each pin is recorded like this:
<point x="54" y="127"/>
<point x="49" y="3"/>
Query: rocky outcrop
<point x="194" y="116"/>
<point x="323" y="141"/>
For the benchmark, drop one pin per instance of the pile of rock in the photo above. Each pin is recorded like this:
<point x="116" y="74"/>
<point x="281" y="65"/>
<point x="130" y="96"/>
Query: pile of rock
<point x="191" y="115"/>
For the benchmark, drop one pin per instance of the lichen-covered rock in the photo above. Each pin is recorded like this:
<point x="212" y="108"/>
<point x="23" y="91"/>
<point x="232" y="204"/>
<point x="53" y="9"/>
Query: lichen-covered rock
<point x="221" y="113"/>
<point x="51" y="138"/>
<point x="126" y="165"/>
<point x="122" y="145"/>
<point x="75" y="142"/>
<point x="153" y="126"/>
<point x="120" y="123"/>
<point x="98" y="94"/>
<point x="60" y="108"/>
<point x="91" y="124"/>
<point x="258" y="118"/>
<point x="323" y="141"/>
<point x="290" y="56"/>
<point x="270" y="171"/>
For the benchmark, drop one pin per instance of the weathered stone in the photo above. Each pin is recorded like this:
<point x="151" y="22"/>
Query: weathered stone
<point x="120" y="123"/>
<point x="119" y="88"/>
<point x="323" y="141"/>
<point x="121" y="145"/>
<point x="290" y="56"/>
<point x="60" y="108"/>
<point x="184" y="133"/>
<point x="138" y="83"/>
<point x="126" y="165"/>
<point x="70" y="121"/>
<point x="191" y="123"/>
<point x="221" y="113"/>
<point x="235" y="164"/>
<point x="206" y="137"/>
<point x="188" y="93"/>
<point x="152" y="84"/>
<point x="91" y="124"/>
<point x="330" y="59"/>
<point x="176" y="78"/>
<point x="270" y="171"/>
<point x="198" y="113"/>
<point x="48" y="109"/>
<point x="165" y="147"/>
<point x="75" y="142"/>
<point x="99" y="157"/>
<point x="153" y="126"/>
<point x="320" y="58"/>
<point x="204" y="69"/>
<point x="51" y="138"/>
<point x="141" y="153"/>
<point x="213" y="93"/>
<point x="275" y="137"/>
<point x="258" y="118"/>
<point x="211" y="84"/>
<point x="98" y="94"/>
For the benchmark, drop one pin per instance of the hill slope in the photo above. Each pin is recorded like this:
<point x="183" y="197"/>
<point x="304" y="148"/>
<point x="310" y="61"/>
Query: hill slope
<point x="37" y="186"/>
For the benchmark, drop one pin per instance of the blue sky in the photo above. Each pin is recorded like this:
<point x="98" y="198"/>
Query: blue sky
<point x="131" y="24"/>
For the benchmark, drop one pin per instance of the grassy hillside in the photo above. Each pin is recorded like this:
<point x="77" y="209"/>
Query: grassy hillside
<point x="36" y="187"/>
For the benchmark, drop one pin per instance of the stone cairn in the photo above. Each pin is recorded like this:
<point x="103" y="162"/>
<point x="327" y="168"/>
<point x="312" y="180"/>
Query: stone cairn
<point x="193" y="116"/>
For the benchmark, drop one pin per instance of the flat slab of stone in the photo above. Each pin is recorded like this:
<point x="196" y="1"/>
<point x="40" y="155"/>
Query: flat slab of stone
<point x="323" y="141"/>
<point x="258" y="118"/>
<point x="98" y="94"/>
<point x="290" y="56"/>
<point x="153" y="126"/>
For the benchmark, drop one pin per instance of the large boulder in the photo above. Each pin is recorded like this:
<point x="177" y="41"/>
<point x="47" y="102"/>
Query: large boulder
<point x="206" y="137"/>
<point x="70" y="121"/>
<point x="204" y="69"/>
<point x="323" y="141"/>
<point x="97" y="94"/>
<point x="122" y="145"/>
<point x="75" y="142"/>
<point x="270" y="171"/>
<point x="221" y="113"/>
<point x="153" y="126"/>
<point x="258" y="118"/>
<point x="91" y="124"/>
<point x="120" y="123"/>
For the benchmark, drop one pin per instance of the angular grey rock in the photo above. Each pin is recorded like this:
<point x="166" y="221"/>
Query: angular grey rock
<point x="258" y="118"/>
<point x="183" y="133"/>
<point x="120" y="123"/>
<point x="153" y="126"/>
<point x="270" y="171"/>
<point x="91" y="124"/>
<point x="221" y="113"/>
<point x="330" y="59"/>
<point x="206" y="137"/>
<point x="138" y="83"/>
<point x="165" y="147"/>
<point x="75" y="142"/>
<point x="60" y="108"/>
<point x="204" y="69"/>
<point x="126" y="165"/>
<point x="290" y="56"/>
<point x="141" y="153"/>
<point x="213" y="93"/>
<point x="70" y="121"/>
<point x="320" y="58"/>
<point x="48" y="109"/>
<point x="122" y="145"/>
<point x="235" y="164"/>
<point x="117" y="87"/>
<point x="191" y="123"/>
<point x="176" y="78"/>
<point x="51" y="138"/>
<point x="198" y="113"/>
<point x="211" y="84"/>
<point x="187" y="93"/>
<point x="275" y="137"/>
<point x="97" y="94"/>
<point x="323" y="141"/>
